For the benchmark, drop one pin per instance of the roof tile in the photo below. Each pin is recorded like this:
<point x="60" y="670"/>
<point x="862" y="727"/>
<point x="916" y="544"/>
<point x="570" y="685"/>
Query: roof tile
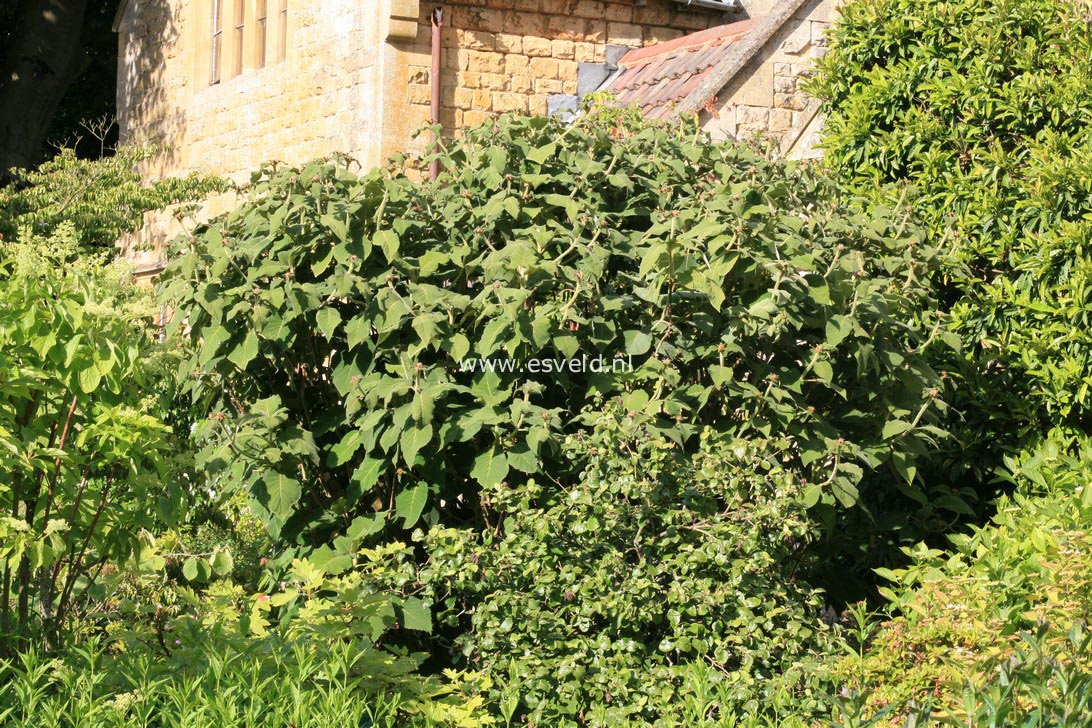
<point x="657" y="76"/>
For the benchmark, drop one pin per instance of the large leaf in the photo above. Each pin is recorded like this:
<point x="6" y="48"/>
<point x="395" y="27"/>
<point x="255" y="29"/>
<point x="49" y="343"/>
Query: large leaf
<point x="328" y="320"/>
<point x="245" y="352"/>
<point x="409" y="504"/>
<point x="412" y="440"/>
<point x="281" y="494"/>
<point x="415" y="615"/>
<point x="490" y="467"/>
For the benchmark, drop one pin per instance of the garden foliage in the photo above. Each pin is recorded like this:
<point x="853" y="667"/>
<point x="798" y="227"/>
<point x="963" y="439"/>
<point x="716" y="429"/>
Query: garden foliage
<point x="1010" y="597"/>
<point x="83" y="450"/>
<point x="109" y="615"/>
<point x="275" y="682"/>
<point x="100" y="198"/>
<point x="977" y="113"/>
<point x="656" y="587"/>
<point x="332" y="315"/>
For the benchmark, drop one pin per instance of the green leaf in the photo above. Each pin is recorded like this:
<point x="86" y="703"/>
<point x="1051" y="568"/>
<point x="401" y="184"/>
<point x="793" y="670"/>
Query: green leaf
<point x="90" y="378"/>
<point x="222" y="563"/>
<point x="367" y="473"/>
<point x="343" y="452"/>
<point x="523" y="459"/>
<point x="845" y="490"/>
<point x="210" y="347"/>
<point x="328" y="320"/>
<point x="895" y="427"/>
<point x="811" y="495"/>
<point x="415" y="615"/>
<point x="490" y="467"/>
<point x="245" y="352"/>
<point x="363" y="526"/>
<point x="540" y="154"/>
<point x="412" y="440"/>
<point x="637" y="342"/>
<point x="281" y="494"/>
<point x="720" y="374"/>
<point x="536" y="436"/>
<point x="904" y="465"/>
<point x="409" y="504"/>
<point x="387" y="241"/>
<point x="460" y="346"/>
<point x="837" y="329"/>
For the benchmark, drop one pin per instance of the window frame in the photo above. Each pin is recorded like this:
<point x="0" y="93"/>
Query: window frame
<point x="238" y="37"/>
<point x="216" y="40"/>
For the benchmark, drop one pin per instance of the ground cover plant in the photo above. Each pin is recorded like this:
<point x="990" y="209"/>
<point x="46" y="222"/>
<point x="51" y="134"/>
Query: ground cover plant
<point x="268" y="682"/>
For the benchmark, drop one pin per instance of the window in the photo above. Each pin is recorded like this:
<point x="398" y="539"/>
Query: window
<point x="259" y="35"/>
<point x="236" y="36"/>
<point x="217" y="37"/>
<point x="237" y="44"/>
<point x="282" y="30"/>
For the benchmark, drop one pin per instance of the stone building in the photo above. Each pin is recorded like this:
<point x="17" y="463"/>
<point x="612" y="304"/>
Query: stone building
<point x="743" y="79"/>
<point x="223" y="85"/>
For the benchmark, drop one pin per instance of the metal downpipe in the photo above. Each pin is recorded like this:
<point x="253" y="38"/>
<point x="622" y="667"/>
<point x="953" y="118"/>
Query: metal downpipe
<point x="437" y="47"/>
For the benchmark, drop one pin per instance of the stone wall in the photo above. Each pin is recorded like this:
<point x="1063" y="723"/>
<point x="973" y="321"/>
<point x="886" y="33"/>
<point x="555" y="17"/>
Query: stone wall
<point x="345" y="86"/>
<point x="512" y="55"/>
<point x="324" y="96"/>
<point x="767" y="98"/>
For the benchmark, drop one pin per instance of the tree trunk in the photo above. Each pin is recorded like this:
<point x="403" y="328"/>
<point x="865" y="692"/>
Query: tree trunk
<point x="42" y="59"/>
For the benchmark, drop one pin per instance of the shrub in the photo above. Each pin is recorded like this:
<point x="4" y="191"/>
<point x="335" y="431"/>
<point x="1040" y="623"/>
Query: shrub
<point x="1001" y="595"/>
<point x="102" y="198"/>
<point x="978" y="112"/>
<point x="82" y="448"/>
<point x="653" y="580"/>
<point x="342" y="323"/>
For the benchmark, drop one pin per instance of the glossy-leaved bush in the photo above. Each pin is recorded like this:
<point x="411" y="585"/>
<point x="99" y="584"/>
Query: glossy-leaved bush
<point x="977" y="113"/>
<point x="362" y="344"/>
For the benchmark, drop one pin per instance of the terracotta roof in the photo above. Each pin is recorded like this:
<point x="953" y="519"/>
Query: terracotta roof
<point x="656" y="77"/>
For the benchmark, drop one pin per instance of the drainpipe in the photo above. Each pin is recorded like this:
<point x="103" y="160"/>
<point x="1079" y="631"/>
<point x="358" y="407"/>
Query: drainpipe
<point x="437" y="46"/>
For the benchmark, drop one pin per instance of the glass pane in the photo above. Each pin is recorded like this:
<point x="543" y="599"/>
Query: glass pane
<point x="217" y="34"/>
